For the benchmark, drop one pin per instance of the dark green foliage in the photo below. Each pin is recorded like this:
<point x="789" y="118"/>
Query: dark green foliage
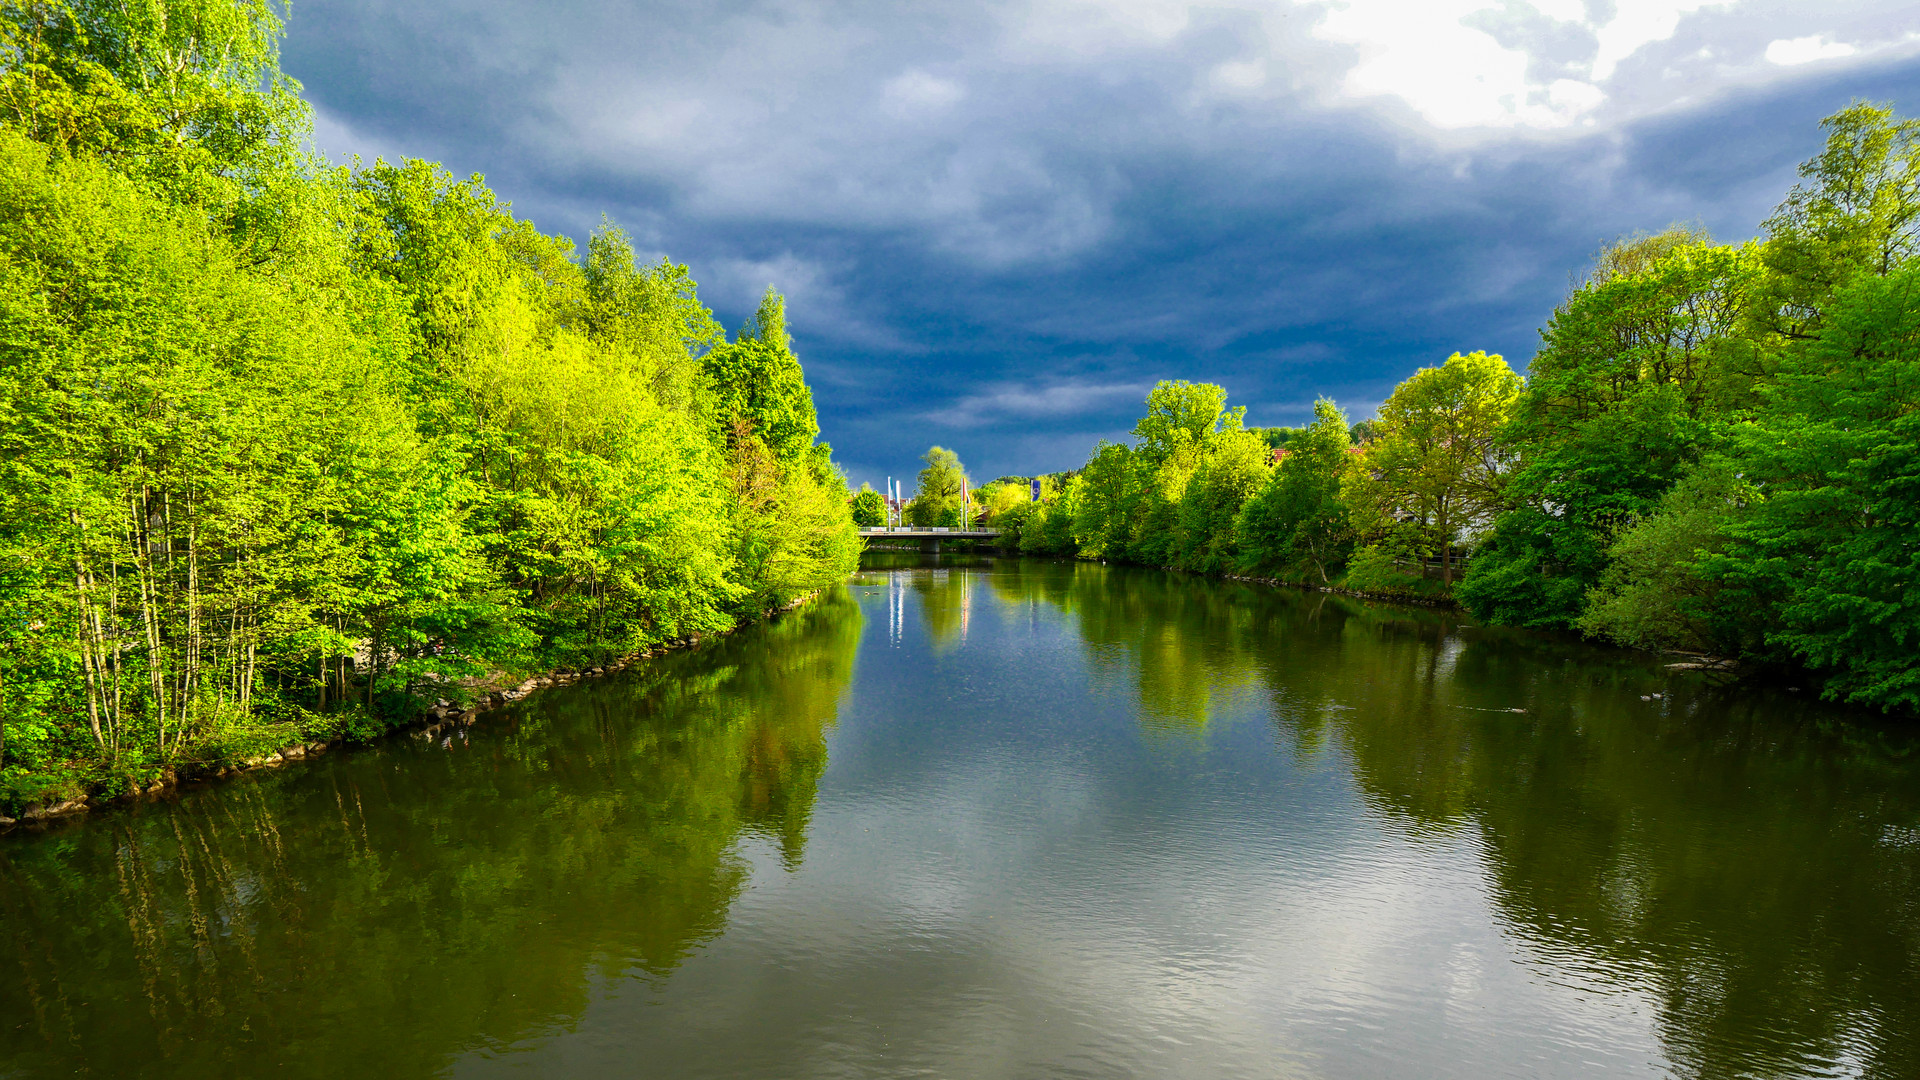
<point x="1105" y="496"/>
<point x="1047" y="528"/>
<point x="1792" y="539"/>
<point x="1276" y="438"/>
<point x="1619" y="403"/>
<point x="1831" y="542"/>
<point x="1652" y="594"/>
<point x="1299" y="523"/>
<point x="1533" y="570"/>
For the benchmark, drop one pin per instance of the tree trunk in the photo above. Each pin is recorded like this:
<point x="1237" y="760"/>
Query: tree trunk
<point x="90" y="650"/>
<point x="190" y="679"/>
<point x="246" y="674"/>
<point x="116" y="710"/>
<point x="150" y="615"/>
<point x="233" y="652"/>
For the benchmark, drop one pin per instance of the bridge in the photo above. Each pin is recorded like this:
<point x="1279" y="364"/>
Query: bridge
<point x="929" y="536"/>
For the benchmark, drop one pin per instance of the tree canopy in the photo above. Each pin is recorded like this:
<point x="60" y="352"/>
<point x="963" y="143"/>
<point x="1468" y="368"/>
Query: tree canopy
<point x="939" y="498"/>
<point x="288" y="449"/>
<point x="1714" y="449"/>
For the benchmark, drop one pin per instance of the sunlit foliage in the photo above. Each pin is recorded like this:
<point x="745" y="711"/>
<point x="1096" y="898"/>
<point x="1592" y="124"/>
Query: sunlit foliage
<point x="287" y="449"/>
<point x="1714" y="450"/>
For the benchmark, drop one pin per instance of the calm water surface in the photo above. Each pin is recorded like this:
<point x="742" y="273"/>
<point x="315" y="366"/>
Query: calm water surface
<point x="995" y="818"/>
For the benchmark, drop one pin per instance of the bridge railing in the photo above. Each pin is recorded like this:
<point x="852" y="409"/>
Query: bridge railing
<point x="926" y="530"/>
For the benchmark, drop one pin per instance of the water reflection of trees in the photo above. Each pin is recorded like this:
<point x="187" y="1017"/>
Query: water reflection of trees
<point x="945" y="597"/>
<point x="378" y="911"/>
<point x="1190" y="647"/>
<point x="943" y="589"/>
<point x="1752" y="861"/>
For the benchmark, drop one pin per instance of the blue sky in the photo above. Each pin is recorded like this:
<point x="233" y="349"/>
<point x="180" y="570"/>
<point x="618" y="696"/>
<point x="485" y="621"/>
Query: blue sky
<point x="998" y="223"/>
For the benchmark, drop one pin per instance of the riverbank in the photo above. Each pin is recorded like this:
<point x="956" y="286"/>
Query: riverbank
<point x="1447" y="603"/>
<point x="1693" y="660"/>
<point x="1397" y="596"/>
<point x="482" y="696"/>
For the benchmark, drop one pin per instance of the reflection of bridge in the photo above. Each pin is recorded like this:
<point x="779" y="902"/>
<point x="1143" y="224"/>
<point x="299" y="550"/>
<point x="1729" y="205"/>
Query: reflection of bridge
<point x="929" y="537"/>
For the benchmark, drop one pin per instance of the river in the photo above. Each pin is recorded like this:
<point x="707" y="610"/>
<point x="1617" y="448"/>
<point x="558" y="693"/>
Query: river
<point x="981" y="817"/>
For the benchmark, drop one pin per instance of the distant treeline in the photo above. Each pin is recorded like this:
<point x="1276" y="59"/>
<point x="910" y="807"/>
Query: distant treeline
<point x="1715" y="449"/>
<point x="287" y="449"/>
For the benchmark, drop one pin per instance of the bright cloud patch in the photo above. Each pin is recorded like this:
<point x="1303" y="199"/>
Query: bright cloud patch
<point x="1807" y="49"/>
<point x="1463" y="63"/>
<point x="1025" y="401"/>
<point x="1636" y="24"/>
<point x="916" y="92"/>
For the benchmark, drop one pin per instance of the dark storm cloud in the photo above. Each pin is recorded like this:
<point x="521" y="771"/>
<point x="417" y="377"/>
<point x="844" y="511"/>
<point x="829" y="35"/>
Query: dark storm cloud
<point x="997" y="226"/>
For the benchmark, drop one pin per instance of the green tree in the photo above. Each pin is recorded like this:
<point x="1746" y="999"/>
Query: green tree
<point x="938" y="499"/>
<point x="1652" y="595"/>
<point x="1181" y="416"/>
<point x="1857" y="209"/>
<point x="1828" y="546"/>
<point x="869" y="509"/>
<point x="1233" y="466"/>
<point x="793" y="531"/>
<point x="1439" y="465"/>
<point x="992" y="502"/>
<point x="1634" y="370"/>
<point x="1049" y="528"/>
<point x="1277" y="438"/>
<point x="1129" y="499"/>
<point x="1299" y="521"/>
<point x="1796" y="561"/>
<point x="1105" y="494"/>
<point x="286" y="449"/>
<point x="186" y="97"/>
<point x="758" y="379"/>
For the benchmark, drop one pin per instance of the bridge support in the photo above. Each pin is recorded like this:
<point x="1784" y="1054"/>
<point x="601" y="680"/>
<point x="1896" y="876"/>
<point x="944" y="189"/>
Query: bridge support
<point x="931" y="547"/>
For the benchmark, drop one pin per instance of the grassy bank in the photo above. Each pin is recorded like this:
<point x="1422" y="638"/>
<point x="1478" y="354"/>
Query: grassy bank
<point x="85" y="785"/>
